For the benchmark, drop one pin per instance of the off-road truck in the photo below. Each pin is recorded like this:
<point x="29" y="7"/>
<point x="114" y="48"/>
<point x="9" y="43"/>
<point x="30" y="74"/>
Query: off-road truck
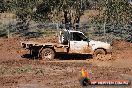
<point x="70" y="42"/>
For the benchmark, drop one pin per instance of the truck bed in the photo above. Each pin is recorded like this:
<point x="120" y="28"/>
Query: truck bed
<point x="27" y="43"/>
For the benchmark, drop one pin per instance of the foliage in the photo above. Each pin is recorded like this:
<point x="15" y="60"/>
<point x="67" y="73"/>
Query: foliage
<point x="2" y="6"/>
<point x="3" y="31"/>
<point x="114" y="11"/>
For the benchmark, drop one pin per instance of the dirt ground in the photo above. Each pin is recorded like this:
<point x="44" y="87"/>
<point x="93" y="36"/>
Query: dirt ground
<point x="63" y="71"/>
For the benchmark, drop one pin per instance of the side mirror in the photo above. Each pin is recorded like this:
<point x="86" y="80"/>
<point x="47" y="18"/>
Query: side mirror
<point x="86" y="39"/>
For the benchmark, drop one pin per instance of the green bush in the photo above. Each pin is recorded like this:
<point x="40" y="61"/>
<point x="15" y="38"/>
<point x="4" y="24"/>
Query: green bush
<point x="3" y="31"/>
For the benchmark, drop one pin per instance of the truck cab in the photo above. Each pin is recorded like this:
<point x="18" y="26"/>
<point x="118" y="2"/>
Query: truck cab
<point x="76" y="40"/>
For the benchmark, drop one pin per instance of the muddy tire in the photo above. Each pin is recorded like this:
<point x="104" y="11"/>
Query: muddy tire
<point x="99" y="54"/>
<point x="48" y="54"/>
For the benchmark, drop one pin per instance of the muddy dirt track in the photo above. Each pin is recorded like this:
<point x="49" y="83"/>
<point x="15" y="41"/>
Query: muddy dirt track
<point x="63" y="71"/>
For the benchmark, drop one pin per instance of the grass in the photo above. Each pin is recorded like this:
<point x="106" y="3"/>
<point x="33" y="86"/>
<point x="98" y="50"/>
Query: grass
<point x="27" y="69"/>
<point x="3" y="31"/>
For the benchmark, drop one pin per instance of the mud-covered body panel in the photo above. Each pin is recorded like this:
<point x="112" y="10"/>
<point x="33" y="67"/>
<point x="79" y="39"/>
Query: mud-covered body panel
<point x="57" y="47"/>
<point x="77" y="43"/>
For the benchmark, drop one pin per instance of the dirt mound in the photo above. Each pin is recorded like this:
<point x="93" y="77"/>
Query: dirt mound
<point x="121" y="44"/>
<point x="122" y="49"/>
<point x="8" y="48"/>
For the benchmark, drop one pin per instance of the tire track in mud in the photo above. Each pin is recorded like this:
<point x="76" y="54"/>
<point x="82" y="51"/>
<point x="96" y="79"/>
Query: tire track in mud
<point x="16" y="71"/>
<point x="55" y="73"/>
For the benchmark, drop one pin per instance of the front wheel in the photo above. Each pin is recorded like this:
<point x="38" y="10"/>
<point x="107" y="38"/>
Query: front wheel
<point x="47" y="53"/>
<point x="99" y="53"/>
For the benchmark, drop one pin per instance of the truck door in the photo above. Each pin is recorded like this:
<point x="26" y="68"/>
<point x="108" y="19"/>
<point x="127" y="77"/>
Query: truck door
<point x="79" y="43"/>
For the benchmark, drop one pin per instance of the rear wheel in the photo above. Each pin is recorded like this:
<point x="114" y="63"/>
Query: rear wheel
<point x="99" y="54"/>
<point x="47" y="53"/>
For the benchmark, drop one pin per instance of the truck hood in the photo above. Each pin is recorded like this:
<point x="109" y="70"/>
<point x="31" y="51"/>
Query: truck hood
<point x="98" y="44"/>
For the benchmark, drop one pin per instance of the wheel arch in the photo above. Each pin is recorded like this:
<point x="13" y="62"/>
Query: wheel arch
<point x="101" y="48"/>
<point x="48" y="46"/>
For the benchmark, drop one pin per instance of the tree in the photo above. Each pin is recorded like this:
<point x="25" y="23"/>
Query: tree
<point x="2" y="6"/>
<point x="118" y="11"/>
<point x="23" y="10"/>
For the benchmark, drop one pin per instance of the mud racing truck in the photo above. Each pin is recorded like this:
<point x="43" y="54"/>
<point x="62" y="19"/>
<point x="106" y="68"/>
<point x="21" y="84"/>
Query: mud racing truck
<point x="70" y="42"/>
